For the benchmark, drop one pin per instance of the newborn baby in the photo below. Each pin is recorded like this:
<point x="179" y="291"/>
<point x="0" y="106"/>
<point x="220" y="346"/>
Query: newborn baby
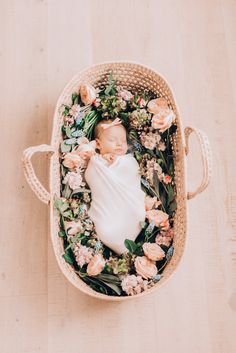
<point x="118" y="202"/>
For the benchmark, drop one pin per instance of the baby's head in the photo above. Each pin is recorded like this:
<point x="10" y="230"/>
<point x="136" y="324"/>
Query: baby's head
<point x="111" y="137"/>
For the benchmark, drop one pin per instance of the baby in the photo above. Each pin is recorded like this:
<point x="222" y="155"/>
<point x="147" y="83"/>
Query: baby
<point x="118" y="202"/>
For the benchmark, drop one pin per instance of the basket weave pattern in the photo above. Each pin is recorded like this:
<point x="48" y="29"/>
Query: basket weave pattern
<point x="134" y="77"/>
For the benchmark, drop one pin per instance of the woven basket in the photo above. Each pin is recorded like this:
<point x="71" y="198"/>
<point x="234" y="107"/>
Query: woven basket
<point x="133" y="76"/>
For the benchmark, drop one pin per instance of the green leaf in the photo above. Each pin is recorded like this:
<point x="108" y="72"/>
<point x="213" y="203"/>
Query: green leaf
<point x="156" y="183"/>
<point x="109" y="278"/>
<point x="138" y="156"/>
<point x="62" y="233"/>
<point x="173" y="206"/>
<point x="110" y="89"/>
<point x="68" y="257"/>
<point x="130" y="245"/>
<point x="113" y="286"/>
<point x="171" y="193"/>
<point x="75" y="98"/>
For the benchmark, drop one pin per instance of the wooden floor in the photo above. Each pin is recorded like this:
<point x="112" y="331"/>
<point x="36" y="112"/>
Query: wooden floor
<point x="43" y="44"/>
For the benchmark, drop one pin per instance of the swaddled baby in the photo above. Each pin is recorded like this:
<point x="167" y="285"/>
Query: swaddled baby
<point x="118" y="202"/>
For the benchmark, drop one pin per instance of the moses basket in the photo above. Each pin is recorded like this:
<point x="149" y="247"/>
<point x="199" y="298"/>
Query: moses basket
<point x="132" y="76"/>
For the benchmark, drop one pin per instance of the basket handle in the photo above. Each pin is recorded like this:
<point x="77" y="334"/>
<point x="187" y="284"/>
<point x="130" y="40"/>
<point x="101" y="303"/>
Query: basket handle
<point x="31" y="178"/>
<point x="206" y="158"/>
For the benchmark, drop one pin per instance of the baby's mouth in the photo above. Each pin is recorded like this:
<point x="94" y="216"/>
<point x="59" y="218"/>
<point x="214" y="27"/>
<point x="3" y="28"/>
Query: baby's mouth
<point x="119" y="150"/>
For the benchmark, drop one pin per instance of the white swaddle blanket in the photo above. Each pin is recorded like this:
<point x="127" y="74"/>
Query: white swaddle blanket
<point x="118" y="202"/>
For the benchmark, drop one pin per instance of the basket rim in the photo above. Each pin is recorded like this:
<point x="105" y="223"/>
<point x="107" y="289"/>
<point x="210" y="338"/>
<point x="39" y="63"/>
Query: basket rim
<point x="63" y="266"/>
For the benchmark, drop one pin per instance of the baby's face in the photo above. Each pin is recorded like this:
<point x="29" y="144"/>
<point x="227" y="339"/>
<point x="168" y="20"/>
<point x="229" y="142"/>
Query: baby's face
<point x="113" y="140"/>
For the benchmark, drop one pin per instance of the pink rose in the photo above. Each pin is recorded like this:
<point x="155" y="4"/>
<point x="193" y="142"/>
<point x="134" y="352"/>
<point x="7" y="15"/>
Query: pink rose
<point x="153" y="251"/>
<point x="87" y="93"/>
<point x="159" y="218"/>
<point x="72" y="160"/>
<point x="155" y="105"/>
<point x="145" y="267"/>
<point x="96" y="265"/>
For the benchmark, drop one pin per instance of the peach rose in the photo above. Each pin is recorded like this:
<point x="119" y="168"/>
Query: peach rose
<point x="151" y="202"/>
<point x="87" y="93"/>
<point x="145" y="267"/>
<point x="163" y="120"/>
<point x="155" y="105"/>
<point x="72" y="160"/>
<point x="153" y="251"/>
<point x="96" y="265"/>
<point x="159" y="217"/>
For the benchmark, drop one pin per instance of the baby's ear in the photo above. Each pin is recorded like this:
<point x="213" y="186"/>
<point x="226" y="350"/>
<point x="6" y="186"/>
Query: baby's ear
<point x="97" y="143"/>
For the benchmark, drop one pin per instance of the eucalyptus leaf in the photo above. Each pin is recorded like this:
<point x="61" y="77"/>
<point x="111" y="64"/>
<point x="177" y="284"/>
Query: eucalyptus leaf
<point x="70" y="141"/>
<point x="68" y="131"/>
<point x="150" y="228"/>
<point x="64" y="147"/>
<point x="66" y="191"/>
<point x="77" y="133"/>
<point x="170" y="253"/>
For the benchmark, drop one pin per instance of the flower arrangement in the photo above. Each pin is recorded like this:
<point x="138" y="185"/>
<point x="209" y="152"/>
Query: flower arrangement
<point x="150" y="123"/>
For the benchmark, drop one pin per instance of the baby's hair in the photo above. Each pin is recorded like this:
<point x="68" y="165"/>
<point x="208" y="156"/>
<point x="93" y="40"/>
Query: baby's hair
<point x="98" y="128"/>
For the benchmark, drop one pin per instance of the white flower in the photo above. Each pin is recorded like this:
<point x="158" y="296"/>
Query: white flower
<point x="132" y="284"/>
<point x="83" y="254"/>
<point x="74" y="179"/>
